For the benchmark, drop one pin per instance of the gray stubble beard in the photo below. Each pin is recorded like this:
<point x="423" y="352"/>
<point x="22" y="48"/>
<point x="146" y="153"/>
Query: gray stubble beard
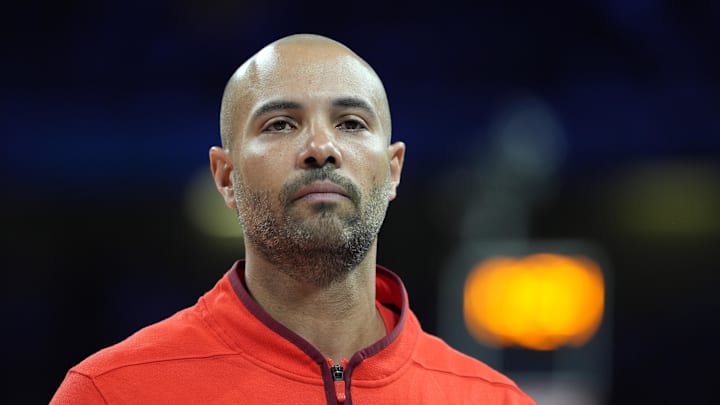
<point x="319" y="250"/>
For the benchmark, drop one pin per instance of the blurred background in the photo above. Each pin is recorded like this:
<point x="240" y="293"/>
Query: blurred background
<point x="583" y="131"/>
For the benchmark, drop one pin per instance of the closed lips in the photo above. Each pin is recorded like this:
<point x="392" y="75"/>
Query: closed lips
<point x="324" y="187"/>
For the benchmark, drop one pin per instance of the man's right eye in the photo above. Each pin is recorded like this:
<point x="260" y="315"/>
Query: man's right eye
<point x="278" y="126"/>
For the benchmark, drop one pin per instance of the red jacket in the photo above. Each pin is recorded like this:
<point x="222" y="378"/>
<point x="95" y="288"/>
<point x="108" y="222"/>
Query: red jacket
<point x="226" y="350"/>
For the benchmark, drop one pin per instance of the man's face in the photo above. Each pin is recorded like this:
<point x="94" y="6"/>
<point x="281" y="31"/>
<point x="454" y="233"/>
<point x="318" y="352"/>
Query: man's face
<point x="313" y="171"/>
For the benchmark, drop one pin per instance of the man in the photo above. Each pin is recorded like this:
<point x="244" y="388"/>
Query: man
<point x="308" y="317"/>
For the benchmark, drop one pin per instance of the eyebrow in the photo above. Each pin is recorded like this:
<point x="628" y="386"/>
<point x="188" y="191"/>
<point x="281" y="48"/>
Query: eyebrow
<point x="277" y="105"/>
<point x="343" y="102"/>
<point x="352" y="102"/>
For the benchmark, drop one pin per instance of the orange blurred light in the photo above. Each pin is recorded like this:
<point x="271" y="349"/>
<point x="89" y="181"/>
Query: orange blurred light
<point x="539" y="302"/>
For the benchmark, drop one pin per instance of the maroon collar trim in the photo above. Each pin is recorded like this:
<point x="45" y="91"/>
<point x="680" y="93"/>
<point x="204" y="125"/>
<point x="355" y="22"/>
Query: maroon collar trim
<point x="384" y="281"/>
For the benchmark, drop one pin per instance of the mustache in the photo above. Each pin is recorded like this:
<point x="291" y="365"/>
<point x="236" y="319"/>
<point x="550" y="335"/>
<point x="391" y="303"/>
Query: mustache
<point x="325" y="173"/>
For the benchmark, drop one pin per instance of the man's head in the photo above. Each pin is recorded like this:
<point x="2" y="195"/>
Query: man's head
<point x="306" y="158"/>
<point x="289" y="59"/>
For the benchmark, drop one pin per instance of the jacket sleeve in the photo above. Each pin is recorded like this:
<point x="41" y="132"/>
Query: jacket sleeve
<point x="77" y="389"/>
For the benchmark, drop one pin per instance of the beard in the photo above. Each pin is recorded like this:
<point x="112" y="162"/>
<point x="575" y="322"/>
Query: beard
<point x="322" y="247"/>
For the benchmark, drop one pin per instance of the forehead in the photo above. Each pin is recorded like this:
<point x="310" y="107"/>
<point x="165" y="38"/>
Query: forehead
<point x="308" y="72"/>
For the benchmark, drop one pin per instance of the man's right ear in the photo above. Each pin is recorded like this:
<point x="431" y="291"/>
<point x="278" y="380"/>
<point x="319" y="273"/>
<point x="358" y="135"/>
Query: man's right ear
<point x="221" y="167"/>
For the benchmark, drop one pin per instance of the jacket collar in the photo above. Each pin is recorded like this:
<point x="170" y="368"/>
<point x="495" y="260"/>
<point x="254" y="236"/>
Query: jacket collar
<point x="244" y="326"/>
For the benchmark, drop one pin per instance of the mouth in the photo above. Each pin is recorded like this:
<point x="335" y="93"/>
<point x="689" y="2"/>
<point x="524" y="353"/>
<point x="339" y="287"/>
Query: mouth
<point x="320" y="191"/>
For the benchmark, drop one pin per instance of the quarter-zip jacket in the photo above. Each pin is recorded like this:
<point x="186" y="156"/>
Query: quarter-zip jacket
<point x="227" y="350"/>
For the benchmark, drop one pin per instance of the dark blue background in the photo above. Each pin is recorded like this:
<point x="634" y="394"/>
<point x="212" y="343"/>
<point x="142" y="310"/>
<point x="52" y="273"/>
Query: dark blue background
<point x="109" y="107"/>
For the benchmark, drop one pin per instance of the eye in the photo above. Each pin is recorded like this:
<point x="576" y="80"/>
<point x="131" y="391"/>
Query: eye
<point x="279" y="125"/>
<point x="351" y="125"/>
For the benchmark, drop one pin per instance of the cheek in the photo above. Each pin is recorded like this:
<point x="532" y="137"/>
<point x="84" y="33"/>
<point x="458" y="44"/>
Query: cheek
<point x="371" y="164"/>
<point x="263" y="168"/>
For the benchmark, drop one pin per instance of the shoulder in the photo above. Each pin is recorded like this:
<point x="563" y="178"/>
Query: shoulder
<point x="184" y="335"/>
<point x="435" y="354"/>
<point x="453" y="368"/>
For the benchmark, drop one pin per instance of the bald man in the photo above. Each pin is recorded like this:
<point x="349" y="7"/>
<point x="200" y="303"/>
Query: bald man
<point x="307" y="317"/>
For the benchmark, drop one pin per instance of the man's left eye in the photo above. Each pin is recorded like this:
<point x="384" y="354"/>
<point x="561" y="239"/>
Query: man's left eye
<point x="351" y="125"/>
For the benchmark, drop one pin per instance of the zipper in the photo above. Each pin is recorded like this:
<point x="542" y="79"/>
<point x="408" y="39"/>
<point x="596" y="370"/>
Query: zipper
<point x="338" y="376"/>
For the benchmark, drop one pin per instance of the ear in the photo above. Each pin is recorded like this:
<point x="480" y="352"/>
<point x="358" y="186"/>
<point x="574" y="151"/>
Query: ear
<point x="396" y="153"/>
<point x="221" y="167"/>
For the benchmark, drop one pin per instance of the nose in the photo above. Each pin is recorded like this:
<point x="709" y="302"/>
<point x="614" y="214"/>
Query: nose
<point x="320" y="149"/>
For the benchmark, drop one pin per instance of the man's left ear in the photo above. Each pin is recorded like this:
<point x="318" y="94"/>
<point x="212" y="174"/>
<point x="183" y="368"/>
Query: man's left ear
<point x="396" y="153"/>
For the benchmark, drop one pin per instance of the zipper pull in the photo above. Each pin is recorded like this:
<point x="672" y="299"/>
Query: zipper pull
<point x="338" y="375"/>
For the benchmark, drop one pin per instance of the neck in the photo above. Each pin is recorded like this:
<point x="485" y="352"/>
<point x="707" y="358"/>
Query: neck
<point x="339" y="319"/>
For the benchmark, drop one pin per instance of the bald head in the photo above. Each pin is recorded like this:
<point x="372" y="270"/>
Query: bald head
<point x="300" y="65"/>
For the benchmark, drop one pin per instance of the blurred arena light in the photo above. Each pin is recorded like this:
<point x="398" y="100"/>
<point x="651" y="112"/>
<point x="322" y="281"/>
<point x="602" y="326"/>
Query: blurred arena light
<point x="206" y="209"/>
<point x="538" y="310"/>
<point x="540" y="302"/>
<point x="678" y="199"/>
